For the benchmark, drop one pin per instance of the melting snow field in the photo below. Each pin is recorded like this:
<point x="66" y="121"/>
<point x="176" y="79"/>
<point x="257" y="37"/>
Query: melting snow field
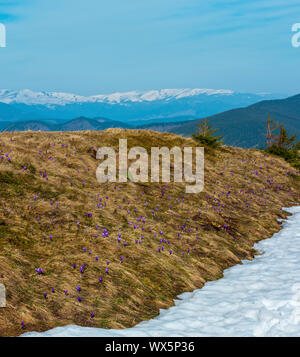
<point x="258" y="298"/>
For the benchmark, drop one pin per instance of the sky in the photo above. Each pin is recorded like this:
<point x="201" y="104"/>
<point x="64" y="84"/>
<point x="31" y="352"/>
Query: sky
<point x="97" y="46"/>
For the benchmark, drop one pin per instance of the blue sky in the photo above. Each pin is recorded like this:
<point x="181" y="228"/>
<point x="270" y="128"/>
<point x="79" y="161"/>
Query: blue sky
<point x="96" y="46"/>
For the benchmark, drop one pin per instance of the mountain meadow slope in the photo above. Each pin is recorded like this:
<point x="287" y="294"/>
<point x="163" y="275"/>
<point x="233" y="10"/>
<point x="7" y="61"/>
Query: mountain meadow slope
<point x="74" y="251"/>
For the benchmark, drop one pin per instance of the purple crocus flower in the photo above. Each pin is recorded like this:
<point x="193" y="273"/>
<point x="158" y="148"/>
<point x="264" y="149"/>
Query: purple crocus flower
<point x="39" y="271"/>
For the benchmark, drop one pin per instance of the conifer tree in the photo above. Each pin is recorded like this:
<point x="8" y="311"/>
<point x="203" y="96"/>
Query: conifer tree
<point x="283" y="140"/>
<point x="205" y="135"/>
<point x="282" y="145"/>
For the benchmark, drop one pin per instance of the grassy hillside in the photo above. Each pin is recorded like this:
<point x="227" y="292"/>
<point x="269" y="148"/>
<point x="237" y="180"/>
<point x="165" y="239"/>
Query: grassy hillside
<point x="155" y="240"/>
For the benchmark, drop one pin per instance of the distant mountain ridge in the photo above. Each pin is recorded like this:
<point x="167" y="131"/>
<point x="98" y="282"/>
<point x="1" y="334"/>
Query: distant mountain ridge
<point x="76" y="124"/>
<point x="29" y="97"/>
<point x="164" y="104"/>
<point x="243" y="127"/>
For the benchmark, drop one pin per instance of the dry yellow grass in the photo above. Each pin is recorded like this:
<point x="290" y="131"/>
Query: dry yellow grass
<point x="219" y="228"/>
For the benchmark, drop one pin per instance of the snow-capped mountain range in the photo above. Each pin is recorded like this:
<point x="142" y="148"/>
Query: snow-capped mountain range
<point x="29" y="97"/>
<point x="156" y="105"/>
